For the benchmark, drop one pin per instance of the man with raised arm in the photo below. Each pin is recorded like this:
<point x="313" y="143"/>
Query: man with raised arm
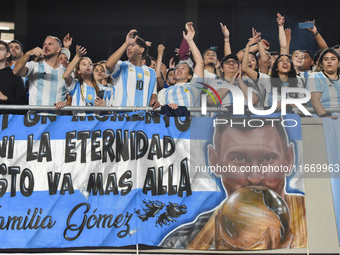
<point x="134" y="83"/>
<point x="47" y="85"/>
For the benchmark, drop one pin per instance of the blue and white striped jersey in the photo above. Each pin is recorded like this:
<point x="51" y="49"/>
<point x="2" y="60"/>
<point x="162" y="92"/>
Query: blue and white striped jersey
<point x="330" y="89"/>
<point x="133" y="85"/>
<point x="47" y="85"/>
<point x="183" y="94"/>
<point x="89" y="93"/>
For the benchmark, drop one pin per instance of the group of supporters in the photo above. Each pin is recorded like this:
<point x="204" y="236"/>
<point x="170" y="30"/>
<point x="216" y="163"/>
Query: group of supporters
<point x="50" y="78"/>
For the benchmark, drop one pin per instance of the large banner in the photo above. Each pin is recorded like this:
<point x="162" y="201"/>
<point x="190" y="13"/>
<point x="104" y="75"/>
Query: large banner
<point x="141" y="178"/>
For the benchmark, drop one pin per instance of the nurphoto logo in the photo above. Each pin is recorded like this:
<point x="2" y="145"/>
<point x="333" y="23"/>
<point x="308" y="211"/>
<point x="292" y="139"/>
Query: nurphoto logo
<point x="238" y="100"/>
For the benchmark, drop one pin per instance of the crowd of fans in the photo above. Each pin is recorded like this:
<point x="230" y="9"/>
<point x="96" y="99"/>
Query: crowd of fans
<point x="49" y="77"/>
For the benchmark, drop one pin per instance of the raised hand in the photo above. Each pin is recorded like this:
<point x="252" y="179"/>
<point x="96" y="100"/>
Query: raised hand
<point x="80" y="51"/>
<point x="130" y="38"/>
<point x="190" y="31"/>
<point x="280" y="20"/>
<point x="255" y="39"/>
<point x="172" y="63"/>
<point x="160" y="49"/>
<point x="148" y="43"/>
<point x="265" y="44"/>
<point x="313" y="30"/>
<point x="38" y="52"/>
<point x="225" y="31"/>
<point x="67" y="41"/>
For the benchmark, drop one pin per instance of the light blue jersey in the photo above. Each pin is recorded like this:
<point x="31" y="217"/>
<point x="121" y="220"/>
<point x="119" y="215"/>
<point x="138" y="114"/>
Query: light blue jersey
<point x="330" y="89"/>
<point x="183" y="94"/>
<point x="47" y="85"/>
<point x="133" y="85"/>
<point x="85" y="95"/>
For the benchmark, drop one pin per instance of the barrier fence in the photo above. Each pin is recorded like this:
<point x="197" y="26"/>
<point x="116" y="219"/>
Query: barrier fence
<point x="156" y="195"/>
<point x="129" y="108"/>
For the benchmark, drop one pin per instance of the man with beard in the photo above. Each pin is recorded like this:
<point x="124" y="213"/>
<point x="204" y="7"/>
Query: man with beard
<point x="47" y="86"/>
<point x="11" y="87"/>
<point x="17" y="51"/>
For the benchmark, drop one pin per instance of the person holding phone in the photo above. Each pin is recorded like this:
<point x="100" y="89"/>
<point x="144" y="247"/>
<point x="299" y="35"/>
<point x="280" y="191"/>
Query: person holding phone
<point x="83" y="88"/>
<point x="283" y="71"/>
<point x="308" y="62"/>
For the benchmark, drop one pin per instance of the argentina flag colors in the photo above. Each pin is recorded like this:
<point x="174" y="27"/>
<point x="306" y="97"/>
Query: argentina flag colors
<point x="103" y="181"/>
<point x="332" y="141"/>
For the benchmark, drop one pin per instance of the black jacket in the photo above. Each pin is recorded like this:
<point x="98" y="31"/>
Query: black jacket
<point x="12" y="86"/>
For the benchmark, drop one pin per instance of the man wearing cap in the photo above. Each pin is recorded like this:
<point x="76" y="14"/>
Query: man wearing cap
<point x="232" y="77"/>
<point x="64" y="57"/>
<point x="134" y="83"/>
<point x="47" y="85"/>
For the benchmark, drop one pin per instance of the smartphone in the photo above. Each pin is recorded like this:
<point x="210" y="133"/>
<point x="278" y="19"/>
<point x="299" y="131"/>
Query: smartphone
<point x="305" y="25"/>
<point x="100" y="94"/>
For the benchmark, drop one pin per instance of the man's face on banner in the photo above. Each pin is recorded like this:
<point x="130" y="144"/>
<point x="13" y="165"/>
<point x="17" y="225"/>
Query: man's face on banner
<point x="260" y="146"/>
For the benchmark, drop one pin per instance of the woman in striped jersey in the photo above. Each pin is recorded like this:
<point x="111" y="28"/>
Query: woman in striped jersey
<point x="84" y="88"/>
<point x="186" y="91"/>
<point x="324" y="85"/>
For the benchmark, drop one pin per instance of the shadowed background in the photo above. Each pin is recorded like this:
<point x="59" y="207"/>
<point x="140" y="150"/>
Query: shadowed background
<point x="101" y="26"/>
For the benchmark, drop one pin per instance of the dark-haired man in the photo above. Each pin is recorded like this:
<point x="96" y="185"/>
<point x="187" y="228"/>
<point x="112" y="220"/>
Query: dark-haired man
<point x="240" y="147"/>
<point x="12" y="90"/>
<point x="210" y="61"/>
<point x="134" y="83"/>
<point x="17" y="51"/>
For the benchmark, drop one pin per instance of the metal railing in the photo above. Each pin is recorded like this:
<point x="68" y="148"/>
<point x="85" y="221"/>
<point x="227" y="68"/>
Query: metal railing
<point x="114" y="109"/>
